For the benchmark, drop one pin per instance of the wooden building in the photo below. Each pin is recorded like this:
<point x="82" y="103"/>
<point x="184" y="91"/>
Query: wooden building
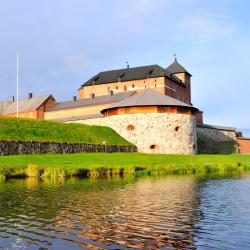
<point x="32" y="107"/>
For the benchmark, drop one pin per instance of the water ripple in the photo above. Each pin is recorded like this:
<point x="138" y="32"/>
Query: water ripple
<point x="147" y="213"/>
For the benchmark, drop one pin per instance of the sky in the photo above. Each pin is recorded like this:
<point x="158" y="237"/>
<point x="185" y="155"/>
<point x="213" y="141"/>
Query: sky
<point x="62" y="43"/>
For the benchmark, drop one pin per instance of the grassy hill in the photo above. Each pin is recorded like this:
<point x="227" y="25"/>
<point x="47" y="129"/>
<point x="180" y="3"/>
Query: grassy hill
<point x="48" y="131"/>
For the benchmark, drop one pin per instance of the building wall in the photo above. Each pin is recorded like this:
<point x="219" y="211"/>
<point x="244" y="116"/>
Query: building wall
<point x="244" y="145"/>
<point x="216" y="141"/>
<point x="162" y="85"/>
<point x="74" y="112"/>
<point x="30" y="114"/>
<point x="177" y="91"/>
<point x="118" y="87"/>
<point x="161" y="133"/>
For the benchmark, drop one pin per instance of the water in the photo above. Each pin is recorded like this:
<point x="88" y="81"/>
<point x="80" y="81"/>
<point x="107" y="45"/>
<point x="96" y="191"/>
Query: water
<point x="186" y="212"/>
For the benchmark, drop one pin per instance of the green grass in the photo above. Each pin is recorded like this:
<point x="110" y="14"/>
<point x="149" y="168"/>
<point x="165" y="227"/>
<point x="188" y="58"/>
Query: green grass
<point x="48" y="131"/>
<point x="101" y="164"/>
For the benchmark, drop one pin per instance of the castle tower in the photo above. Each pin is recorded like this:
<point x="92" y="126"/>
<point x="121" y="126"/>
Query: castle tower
<point x="154" y="122"/>
<point x="177" y="70"/>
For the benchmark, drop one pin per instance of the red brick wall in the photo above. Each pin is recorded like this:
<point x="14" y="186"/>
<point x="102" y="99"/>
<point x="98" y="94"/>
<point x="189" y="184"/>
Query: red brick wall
<point x="199" y="117"/>
<point x="182" y="92"/>
<point x="244" y="145"/>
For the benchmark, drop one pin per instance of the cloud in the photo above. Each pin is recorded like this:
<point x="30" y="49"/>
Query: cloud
<point x="205" y="28"/>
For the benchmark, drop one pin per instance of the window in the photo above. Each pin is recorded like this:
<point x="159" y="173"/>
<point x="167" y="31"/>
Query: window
<point x="116" y="87"/>
<point x="133" y="85"/>
<point x="130" y="127"/>
<point x="177" y="128"/>
<point x="155" y="85"/>
<point x="153" y="146"/>
<point x="125" y="88"/>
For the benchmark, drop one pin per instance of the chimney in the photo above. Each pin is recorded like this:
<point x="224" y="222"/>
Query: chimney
<point x="13" y="98"/>
<point x="111" y="92"/>
<point x="74" y="98"/>
<point x="30" y="95"/>
<point x="92" y="95"/>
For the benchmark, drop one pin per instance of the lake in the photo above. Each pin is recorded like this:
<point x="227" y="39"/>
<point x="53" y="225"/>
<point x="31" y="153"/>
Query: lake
<point x="174" y="212"/>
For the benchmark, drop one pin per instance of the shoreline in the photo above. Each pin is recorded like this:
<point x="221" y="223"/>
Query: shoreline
<point x="94" y="165"/>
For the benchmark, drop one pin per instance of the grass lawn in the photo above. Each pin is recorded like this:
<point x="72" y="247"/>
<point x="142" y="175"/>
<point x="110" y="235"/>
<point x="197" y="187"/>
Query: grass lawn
<point x="86" y="164"/>
<point x="47" y="131"/>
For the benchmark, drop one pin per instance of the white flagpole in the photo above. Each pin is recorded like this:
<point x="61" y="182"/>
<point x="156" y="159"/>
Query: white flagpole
<point x="17" y="84"/>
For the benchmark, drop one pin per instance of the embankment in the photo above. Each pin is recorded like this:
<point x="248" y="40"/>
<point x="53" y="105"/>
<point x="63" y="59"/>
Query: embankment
<point x="117" y="164"/>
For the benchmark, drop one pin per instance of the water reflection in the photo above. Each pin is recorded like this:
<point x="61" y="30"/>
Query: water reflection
<point x="144" y="213"/>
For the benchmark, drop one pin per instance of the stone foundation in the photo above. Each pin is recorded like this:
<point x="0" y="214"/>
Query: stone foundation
<point x="161" y="133"/>
<point x="21" y="147"/>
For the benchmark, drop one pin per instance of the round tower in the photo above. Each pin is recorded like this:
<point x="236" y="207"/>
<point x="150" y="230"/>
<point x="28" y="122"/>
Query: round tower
<point x="155" y="123"/>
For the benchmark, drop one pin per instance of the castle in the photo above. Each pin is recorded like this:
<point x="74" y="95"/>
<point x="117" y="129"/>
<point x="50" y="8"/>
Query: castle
<point x="150" y="106"/>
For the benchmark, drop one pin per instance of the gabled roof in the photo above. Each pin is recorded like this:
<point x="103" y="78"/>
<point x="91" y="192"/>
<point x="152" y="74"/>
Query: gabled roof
<point x="149" y="98"/>
<point x="175" y="67"/>
<point x="25" y="105"/>
<point x="130" y="74"/>
<point x="92" y="101"/>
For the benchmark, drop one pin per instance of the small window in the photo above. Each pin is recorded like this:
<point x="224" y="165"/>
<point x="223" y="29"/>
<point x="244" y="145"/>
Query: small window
<point x="133" y="85"/>
<point x="155" y="85"/>
<point x="130" y="127"/>
<point x="194" y="146"/>
<point x="177" y="128"/>
<point x="116" y="87"/>
<point x="125" y="88"/>
<point x="153" y="147"/>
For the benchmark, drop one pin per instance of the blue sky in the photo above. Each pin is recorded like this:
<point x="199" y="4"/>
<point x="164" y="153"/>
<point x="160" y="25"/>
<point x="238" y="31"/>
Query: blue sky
<point x="64" y="42"/>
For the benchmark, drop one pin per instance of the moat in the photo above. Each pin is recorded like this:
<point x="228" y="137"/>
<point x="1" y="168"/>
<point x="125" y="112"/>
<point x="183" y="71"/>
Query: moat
<point x="174" y="212"/>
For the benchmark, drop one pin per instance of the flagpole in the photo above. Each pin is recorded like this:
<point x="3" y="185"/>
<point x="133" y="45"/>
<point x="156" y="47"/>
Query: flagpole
<point x="17" y="84"/>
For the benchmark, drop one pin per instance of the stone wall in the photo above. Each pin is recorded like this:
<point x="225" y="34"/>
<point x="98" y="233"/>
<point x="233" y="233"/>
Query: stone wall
<point x="216" y="140"/>
<point x="21" y="147"/>
<point x="161" y="133"/>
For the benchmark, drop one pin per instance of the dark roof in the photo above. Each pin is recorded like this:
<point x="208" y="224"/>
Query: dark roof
<point x="130" y="74"/>
<point x="25" y="105"/>
<point x="149" y="98"/>
<point x="92" y="101"/>
<point x="216" y="127"/>
<point x="175" y="67"/>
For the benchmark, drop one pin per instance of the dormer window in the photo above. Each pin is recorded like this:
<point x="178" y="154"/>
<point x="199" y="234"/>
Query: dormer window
<point x="120" y="77"/>
<point x="148" y="74"/>
<point x="93" y="82"/>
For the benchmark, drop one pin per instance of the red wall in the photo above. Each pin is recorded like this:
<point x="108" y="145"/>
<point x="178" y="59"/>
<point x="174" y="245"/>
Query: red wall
<point x="244" y="145"/>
